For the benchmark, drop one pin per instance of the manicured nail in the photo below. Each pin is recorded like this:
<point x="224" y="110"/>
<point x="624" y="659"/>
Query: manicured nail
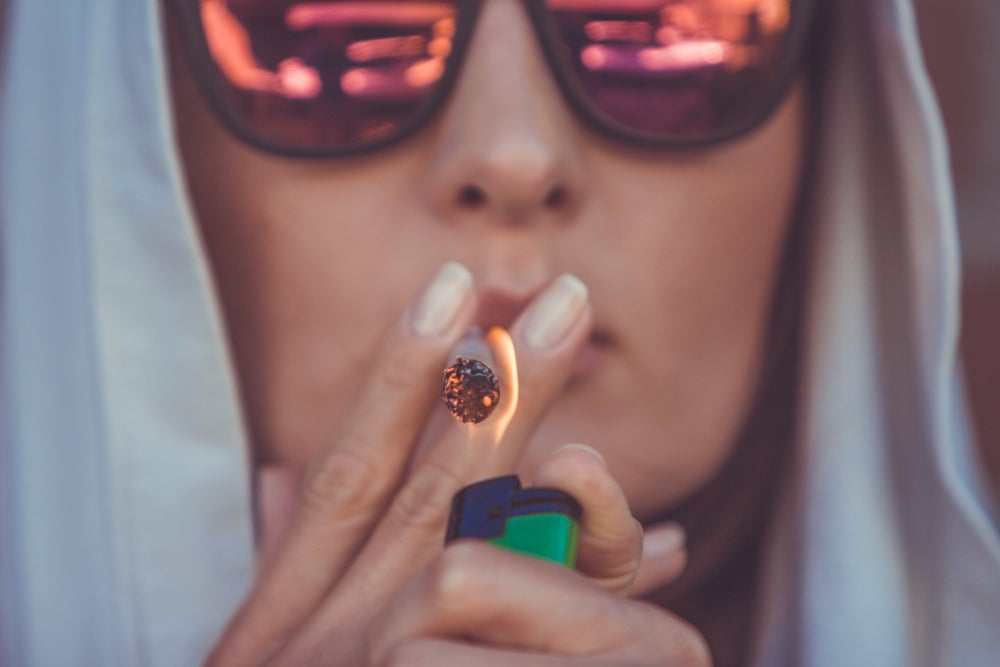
<point x="552" y="315"/>
<point x="584" y="448"/>
<point x="441" y="300"/>
<point x="664" y="538"/>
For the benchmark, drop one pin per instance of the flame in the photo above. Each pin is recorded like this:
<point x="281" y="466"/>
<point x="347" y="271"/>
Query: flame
<point x="505" y="358"/>
<point x="497" y="350"/>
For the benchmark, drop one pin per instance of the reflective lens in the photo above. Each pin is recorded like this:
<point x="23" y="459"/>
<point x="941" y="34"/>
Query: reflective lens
<point x="339" y="75"/>
<point x="332" y="73"/>
<point x="677" y="69"/>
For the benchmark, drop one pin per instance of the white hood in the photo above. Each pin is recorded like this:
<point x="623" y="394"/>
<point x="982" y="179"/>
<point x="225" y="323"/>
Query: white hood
<point x="886" y="552"/>
<point x="126" y="535"/>
<point x="125" y="529"/>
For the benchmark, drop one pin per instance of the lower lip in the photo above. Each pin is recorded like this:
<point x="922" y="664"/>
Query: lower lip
<point x="587" y="362"/>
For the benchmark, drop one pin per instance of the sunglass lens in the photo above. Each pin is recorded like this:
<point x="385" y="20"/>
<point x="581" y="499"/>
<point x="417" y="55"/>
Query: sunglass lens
<point x="331" y="74"/>
<point x="675" y="69"/>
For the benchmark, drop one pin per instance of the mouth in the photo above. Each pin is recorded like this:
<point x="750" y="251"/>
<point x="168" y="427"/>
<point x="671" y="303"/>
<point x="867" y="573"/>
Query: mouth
<point x="591" y="357"/>
<point x="501" y="309"/>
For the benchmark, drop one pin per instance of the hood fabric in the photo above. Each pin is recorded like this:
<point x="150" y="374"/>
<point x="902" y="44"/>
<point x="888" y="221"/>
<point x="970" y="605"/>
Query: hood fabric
<point x="886" y="550"/>
<point x="125" y="518"/>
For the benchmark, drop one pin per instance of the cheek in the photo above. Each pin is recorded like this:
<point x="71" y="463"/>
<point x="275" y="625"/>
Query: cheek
<point x="300" y="256"/>
<point x="690" y="256"/>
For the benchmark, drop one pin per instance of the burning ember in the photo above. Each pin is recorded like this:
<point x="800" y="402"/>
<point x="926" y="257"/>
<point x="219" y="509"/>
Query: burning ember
<point x="483" y="369"/>
<point x="470" y="389"/>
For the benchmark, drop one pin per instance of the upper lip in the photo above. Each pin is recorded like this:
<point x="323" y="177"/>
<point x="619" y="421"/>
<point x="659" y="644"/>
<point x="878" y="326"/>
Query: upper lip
<point x="501" y="308"/>
<point x="498" y="308"/>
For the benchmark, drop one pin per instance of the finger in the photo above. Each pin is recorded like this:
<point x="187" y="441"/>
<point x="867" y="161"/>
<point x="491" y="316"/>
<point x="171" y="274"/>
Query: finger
<point x="424" y="652"/>
<point x="609" y="546"/>
<point x="478" y="592"/>
<point x="352" y="480"/>
<point x="412" y="531"/>
<point x="532" y="363"/>
<point x="664" y="558"/>
<point x="547" y="338"/>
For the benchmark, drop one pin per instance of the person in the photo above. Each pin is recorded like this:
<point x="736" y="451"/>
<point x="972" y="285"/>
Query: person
<point x="729" y="270"/>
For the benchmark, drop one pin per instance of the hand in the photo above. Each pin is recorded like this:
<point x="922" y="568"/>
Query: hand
<point x="480" y="605"/>
<point x="365" y="525"/>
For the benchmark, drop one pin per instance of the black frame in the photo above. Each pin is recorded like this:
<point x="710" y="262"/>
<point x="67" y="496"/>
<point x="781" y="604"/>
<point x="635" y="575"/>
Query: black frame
<point x="468" y="11"/>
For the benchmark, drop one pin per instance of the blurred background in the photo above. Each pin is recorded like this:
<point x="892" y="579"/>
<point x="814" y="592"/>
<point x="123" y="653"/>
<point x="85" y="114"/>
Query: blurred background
<point x="962" y="48"/>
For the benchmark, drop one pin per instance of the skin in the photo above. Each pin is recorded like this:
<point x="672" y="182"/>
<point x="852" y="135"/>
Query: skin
<point x="317" y="263"/>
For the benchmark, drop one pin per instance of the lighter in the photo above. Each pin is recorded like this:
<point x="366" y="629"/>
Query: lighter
<point x="537" y="522"/>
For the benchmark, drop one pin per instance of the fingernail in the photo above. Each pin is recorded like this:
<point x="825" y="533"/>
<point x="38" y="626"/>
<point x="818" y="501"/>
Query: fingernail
<point x="663" y="539"/>
<point x="441" y="300"/>
<point x="554" y="312"/>
<point x="584" y="448"/>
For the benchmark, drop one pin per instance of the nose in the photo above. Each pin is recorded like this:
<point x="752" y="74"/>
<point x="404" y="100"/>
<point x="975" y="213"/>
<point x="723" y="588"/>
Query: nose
<point x="505" y="147"/>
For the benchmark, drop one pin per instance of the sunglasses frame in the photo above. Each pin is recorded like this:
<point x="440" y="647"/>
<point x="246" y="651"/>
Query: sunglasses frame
<point x="213" y="86"/>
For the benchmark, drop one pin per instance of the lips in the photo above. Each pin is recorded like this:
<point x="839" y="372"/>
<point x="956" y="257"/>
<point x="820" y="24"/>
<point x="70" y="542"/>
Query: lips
<point x="501" y="309"/>
<point x="590" y="358"/>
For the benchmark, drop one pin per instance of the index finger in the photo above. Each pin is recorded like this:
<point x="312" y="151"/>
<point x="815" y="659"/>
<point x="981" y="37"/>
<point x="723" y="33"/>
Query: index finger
<point x="478" y="592"/>
<point x="351" y="481"/>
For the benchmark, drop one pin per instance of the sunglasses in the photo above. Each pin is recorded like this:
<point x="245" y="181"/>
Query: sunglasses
<point x="328" y="78"/>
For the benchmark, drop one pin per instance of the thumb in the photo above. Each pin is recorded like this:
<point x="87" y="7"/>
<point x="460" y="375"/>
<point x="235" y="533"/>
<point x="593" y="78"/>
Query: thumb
<point x="664" y="557"/>
<point x="609" y="546"/>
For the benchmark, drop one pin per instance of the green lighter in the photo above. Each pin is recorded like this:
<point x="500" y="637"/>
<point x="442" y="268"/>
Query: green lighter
<point x="537" y="522"/>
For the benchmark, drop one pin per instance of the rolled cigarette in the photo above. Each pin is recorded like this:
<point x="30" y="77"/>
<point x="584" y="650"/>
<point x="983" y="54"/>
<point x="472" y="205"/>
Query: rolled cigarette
<point x="470" y="387"/>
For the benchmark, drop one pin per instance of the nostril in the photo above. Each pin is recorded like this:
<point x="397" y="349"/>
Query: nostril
<point x="556" y="198"/>
<point x="471" y="196"/>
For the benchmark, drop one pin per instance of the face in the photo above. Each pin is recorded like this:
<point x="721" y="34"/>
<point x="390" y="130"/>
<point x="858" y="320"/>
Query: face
<point x="315" y="259"/>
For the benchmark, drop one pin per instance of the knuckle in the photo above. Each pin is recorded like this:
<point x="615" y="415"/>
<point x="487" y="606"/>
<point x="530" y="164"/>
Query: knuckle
<point x="634" y="542"/>
<point x="424" y="500"/>
<point x="398" y="368"/>
<point x="453" y="580"/>
<point x="613" y="555"/>
<point x="344" y="479"/>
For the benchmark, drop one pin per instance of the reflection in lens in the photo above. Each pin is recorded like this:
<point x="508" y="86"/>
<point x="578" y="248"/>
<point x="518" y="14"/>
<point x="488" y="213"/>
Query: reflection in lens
<point x="340" y="72"/>
<point x="675" y="68"/>
<point x="327" y="73"/>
